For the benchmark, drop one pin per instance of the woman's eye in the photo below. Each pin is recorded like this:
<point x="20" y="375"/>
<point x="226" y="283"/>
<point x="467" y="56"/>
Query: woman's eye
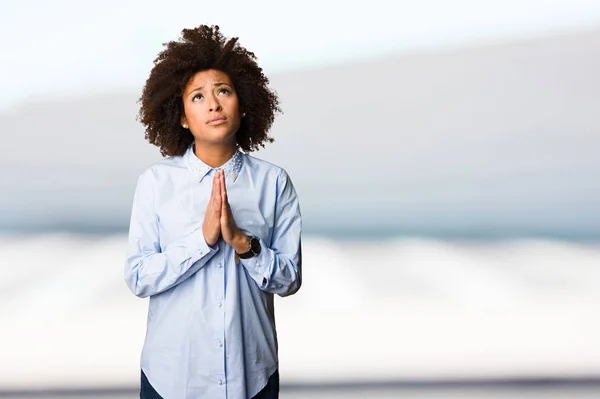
<point x="197" y="96"/>
<point x="223" y="90"/>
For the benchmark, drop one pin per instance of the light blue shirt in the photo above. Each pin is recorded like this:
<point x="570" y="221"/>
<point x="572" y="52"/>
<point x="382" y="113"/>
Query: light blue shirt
<point x="211" y="322"/>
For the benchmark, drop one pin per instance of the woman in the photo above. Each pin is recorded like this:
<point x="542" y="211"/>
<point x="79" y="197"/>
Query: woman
<point x="214" y="232"/>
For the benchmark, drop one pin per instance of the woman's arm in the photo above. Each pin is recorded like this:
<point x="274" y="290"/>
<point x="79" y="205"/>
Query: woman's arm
<point x="278" y="267"/>
<point x="148" y="271"/>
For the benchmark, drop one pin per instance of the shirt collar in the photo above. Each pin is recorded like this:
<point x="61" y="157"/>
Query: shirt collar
<point x="200" y="169"/>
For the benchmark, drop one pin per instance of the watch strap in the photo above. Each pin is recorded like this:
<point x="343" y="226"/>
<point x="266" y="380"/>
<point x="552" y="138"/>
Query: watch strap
<point x="250" y="253"/>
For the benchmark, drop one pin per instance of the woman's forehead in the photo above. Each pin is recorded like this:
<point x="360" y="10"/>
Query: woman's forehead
<point x="208" y="78"/>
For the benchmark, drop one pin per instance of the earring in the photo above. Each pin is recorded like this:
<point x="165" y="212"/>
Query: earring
<point x="185" y="126"/>
<point x="243" y="115"/>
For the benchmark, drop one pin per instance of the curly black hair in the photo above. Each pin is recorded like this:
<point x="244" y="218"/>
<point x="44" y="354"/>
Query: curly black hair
<point x="200" y="49"/>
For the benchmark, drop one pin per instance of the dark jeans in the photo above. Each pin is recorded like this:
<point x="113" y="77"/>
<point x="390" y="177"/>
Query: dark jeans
<point x="270" y="391"/>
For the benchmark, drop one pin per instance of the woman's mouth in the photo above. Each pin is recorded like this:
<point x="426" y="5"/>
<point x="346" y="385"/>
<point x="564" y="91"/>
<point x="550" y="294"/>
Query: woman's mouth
<point x="217" y="121"/>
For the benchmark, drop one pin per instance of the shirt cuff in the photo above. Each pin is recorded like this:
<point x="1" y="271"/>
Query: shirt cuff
<point x="258" y="266"/>
<point x="196" y="247"/>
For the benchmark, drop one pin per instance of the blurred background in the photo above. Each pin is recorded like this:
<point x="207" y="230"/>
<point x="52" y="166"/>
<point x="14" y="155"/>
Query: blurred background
<point x="446" y="155"/>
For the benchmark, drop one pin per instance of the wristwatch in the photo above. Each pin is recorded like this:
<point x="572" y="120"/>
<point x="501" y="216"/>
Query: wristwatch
<point x="253" y="249"/>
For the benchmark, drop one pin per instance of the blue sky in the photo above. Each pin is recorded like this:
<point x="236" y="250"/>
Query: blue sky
<point x="71" y="48"/>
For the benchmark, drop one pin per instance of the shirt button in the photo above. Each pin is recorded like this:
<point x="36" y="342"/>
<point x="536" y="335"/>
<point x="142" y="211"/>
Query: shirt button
<point x="220" y="304"/>
<point x="220" y="344"/>
<point x="219" y="265"/>
<point x="220" y="382"/>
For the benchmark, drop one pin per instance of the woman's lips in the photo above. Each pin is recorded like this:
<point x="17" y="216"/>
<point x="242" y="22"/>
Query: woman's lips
<point x="217" y="121"/>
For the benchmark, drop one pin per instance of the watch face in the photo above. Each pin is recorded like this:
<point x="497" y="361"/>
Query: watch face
<point x="255" y="245"/>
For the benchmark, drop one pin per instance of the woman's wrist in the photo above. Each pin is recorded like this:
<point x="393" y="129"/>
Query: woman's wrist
<point x="240" y="242"/>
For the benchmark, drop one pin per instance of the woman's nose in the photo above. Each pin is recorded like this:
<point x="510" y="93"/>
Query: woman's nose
<point x="214" y="104"/>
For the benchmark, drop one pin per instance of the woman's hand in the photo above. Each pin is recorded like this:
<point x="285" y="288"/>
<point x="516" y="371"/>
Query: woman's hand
<point x="211" y="228"/>
<point x="232" y="235"/>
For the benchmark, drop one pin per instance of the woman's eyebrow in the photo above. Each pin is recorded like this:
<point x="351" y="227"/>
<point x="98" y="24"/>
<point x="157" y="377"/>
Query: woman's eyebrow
<point x="216" y="85"/>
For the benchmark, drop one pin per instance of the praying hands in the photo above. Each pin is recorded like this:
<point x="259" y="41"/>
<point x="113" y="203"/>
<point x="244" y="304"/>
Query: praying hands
<point x="219" y="221"/>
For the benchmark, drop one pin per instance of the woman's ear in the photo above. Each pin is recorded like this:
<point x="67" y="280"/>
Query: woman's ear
<point x="183" y="122"/>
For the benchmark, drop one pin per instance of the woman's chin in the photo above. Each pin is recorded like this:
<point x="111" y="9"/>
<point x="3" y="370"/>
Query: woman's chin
<point x="218" y="139"/>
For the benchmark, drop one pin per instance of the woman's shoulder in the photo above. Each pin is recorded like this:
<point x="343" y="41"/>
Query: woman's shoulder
<point x="260" y="165"/>
<point x="170" y="164"/>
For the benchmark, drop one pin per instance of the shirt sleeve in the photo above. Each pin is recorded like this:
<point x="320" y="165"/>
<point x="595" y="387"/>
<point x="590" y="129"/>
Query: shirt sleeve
<point x="148" y="270"/>
<point x="278" y="267"/>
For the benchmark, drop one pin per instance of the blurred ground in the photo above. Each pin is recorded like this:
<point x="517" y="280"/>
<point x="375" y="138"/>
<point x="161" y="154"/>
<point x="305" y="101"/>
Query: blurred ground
<point x="560" y="390"/>
<point x="397" y="310"/>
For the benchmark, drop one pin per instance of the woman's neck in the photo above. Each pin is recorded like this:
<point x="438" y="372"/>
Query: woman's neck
<point x="215" y="155"/>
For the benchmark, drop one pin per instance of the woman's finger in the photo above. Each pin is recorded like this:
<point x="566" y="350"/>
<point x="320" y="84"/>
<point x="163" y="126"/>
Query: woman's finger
<point x="224" y="189"/>
<point x="217" y="192"/>
<point x="215" y="187"/>
<point x="223" y="186"/>
<point x="223" y="199"/>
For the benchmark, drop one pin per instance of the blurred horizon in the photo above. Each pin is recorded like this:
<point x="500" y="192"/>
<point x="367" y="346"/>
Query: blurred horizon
<point x="487" y="163"/>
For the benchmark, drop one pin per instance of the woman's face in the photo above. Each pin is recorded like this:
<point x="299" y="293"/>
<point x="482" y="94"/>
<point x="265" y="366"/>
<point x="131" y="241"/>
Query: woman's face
<point x="211" y="108"/>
